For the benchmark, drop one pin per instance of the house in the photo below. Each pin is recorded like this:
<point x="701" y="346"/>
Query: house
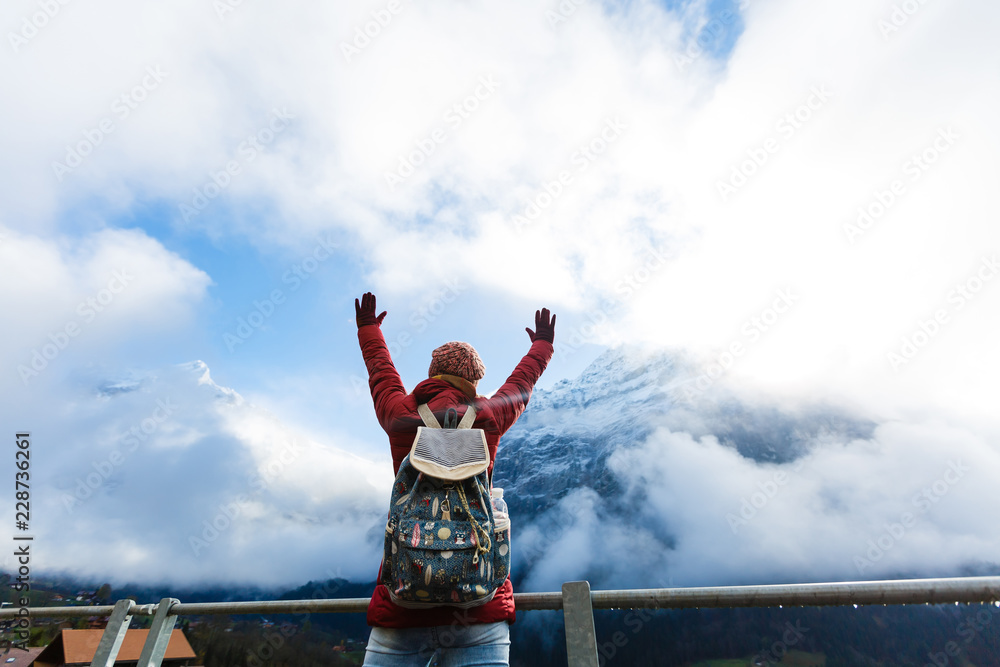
<point x="18" y="658"/>
<point x="77" y="647"/>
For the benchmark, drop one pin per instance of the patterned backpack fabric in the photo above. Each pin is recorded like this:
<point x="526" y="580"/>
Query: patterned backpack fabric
<point x="441" y="542"/>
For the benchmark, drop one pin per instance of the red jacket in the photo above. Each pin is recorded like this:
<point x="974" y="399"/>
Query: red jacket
<point x="397" y="414"/>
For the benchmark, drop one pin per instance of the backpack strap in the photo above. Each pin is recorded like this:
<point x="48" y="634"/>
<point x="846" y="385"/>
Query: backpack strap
<point x="431" y="421"/>
<point x="468" y="418"/>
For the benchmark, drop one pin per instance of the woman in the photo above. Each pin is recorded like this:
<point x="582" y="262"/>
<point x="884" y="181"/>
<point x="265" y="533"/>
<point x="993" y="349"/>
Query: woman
<point x="444" y="635"/>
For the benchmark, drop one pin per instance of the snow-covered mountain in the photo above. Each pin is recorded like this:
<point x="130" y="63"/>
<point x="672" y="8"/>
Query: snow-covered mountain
<point x="564" y="439"/>
<point x="624" y="477"/>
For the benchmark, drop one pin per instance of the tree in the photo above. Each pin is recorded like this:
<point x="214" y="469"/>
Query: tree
<point x="104" y="592"/>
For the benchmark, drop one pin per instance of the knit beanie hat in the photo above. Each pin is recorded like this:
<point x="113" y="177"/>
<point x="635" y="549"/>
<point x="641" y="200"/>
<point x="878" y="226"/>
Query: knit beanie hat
<point x="457" y="358"/>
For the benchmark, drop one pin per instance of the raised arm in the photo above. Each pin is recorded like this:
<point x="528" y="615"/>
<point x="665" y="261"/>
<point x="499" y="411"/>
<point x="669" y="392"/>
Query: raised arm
<point x="383" y="379"/>
<point x="512" y="398"/>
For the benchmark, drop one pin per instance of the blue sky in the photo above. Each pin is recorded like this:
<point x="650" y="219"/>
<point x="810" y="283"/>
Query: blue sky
<point x="810" y="184"/>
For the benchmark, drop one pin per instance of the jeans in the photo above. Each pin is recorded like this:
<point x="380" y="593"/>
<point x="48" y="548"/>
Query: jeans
<point x="481" y="645"/>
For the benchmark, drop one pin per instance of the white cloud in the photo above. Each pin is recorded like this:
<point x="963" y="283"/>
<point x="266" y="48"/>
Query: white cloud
<point x="912" y="501"/>
<point x="784" y="227"/>
<point x="78" y="299"/>
<point x="912" y="487"/>
<point x="688" y="125"/>
<point x="166" y="476"/>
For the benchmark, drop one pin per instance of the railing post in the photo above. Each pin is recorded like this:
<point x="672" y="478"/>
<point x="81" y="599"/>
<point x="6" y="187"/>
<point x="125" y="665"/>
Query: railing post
<point x="114" y="634"/>
<point x="578" y="616"/>
<point x="159" y="634"/>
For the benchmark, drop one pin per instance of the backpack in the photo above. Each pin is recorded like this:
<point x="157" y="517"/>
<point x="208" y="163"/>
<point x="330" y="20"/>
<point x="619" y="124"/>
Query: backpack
<point x="442" y="546"/>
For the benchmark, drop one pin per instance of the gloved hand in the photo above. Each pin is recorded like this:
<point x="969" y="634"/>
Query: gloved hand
<point x="365" y="311"/>
<point x="545" y="329"/>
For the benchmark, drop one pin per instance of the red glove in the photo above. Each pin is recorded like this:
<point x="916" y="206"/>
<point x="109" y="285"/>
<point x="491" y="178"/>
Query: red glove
<point x="365" y="311"/>
<point x="545" y="329"/>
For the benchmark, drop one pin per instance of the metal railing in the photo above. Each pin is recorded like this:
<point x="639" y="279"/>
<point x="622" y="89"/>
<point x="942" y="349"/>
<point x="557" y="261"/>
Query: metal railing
<point x="576" y="600"/>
